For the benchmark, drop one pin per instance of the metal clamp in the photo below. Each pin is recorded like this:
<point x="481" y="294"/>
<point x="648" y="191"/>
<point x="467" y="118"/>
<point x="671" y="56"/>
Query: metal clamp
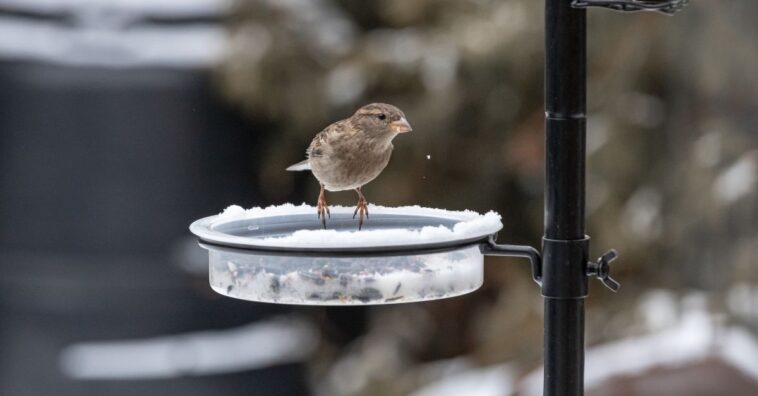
<point x="668" y="7"/>
<point x="602" y="270"/>
<point x="535" y="259"/>
<point x="565" y="276"/>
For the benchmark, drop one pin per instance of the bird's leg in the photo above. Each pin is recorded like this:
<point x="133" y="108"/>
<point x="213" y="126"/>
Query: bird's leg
<point x="323" y="209"/>
<point x="361" y="207"/>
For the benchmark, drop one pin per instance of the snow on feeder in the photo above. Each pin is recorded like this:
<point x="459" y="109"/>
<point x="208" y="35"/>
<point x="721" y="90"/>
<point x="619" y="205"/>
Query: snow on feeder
<point x="280" y="254"/>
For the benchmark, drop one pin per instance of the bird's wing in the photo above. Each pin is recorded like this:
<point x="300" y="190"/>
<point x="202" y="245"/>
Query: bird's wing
<point x="319" y="143"/>
<point x="316" y="148"/>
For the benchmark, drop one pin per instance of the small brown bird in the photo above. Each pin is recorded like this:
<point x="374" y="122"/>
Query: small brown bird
<point x="350" y="153"/>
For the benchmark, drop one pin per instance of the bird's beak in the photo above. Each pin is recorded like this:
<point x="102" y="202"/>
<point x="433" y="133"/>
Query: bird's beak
<point x="401" y="126"/>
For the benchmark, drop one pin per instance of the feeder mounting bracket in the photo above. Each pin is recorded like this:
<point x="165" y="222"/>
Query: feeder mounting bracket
<point x="490" y="248"/>
<point x="668" y="7"/>
<point x="600" y="269"/>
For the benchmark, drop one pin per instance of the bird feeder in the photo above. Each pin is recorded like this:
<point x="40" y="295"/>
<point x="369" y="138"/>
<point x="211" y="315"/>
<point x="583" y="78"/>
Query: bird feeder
<point x="276" y="256"/>
<point x="409" y="254"/>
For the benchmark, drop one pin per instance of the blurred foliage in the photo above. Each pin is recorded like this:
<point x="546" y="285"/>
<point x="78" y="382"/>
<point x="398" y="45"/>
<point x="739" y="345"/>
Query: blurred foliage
<point x="672" y="152"/>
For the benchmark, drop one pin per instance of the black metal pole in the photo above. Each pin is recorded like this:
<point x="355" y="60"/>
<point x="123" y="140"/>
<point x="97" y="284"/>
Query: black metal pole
<point x="565" y="247"/>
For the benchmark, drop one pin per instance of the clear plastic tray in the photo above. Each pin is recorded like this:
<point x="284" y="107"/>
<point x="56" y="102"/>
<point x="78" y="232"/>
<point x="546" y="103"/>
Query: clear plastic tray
<point x="281" y="254"/>
<point x="338" y="280"/>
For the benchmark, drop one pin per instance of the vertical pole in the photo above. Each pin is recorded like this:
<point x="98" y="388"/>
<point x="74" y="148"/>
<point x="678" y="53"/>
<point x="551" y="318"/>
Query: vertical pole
<point x="564" y="280"/>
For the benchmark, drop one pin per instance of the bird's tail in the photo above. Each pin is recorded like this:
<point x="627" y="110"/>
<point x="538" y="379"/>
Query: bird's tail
<point x="300" y="166"/>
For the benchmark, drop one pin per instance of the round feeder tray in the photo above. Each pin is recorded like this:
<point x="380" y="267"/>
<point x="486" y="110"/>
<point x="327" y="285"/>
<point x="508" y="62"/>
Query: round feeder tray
<point x="281" y="255"/>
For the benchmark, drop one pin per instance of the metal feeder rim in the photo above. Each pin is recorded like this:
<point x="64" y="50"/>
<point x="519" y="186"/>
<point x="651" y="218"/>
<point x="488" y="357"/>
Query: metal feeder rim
<point x="377" y="251"/>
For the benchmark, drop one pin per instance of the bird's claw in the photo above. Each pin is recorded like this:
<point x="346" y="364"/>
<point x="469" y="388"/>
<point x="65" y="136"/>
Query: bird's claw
<point x="362" y="209"/>
<point x="323" y="212"/>
<point x="365" y="210"/>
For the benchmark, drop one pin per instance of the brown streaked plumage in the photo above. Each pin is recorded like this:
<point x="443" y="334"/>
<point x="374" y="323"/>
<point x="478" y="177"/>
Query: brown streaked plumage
<point x="352" y="152"/>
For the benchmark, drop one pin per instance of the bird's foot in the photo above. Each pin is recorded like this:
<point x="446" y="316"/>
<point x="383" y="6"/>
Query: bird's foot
<point x="323" y="209"/>
<point x="323" y="213"/>
<point x="361" y="209"/>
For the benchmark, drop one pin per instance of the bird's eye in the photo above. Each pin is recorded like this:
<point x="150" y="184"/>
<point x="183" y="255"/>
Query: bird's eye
<point x="382" y="116"/>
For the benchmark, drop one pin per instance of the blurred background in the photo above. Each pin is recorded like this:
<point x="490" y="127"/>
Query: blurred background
<point x="123" y="121"/>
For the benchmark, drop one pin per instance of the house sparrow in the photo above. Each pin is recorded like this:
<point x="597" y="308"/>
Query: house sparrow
<point x="350" y="153"/>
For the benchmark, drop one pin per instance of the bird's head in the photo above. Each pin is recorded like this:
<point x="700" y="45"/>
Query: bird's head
<point x="381" y="120"/>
